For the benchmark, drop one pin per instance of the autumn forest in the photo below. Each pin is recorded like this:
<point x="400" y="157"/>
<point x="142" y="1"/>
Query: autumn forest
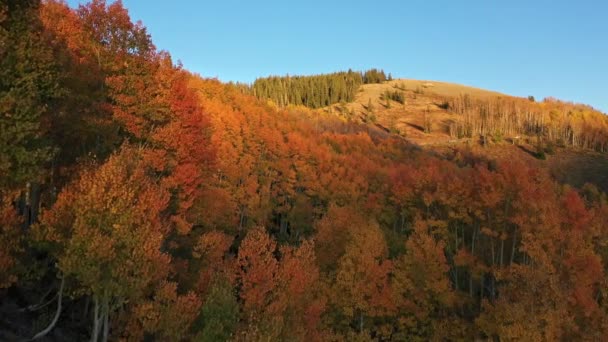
<point x="142" y="202"/>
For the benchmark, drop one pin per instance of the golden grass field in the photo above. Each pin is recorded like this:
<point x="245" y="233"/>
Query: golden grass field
<point x="423" y="99"/>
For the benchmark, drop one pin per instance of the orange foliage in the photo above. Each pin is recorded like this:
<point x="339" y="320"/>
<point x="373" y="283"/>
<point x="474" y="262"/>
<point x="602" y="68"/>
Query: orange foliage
<point x="366" y="236"/>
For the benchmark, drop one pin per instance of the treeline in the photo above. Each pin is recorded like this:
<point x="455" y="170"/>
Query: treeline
<point x="375" y="76"/>
<point x="551" y="121"/>
<point x="314" y="91"/>
<point x="177" y="208"/>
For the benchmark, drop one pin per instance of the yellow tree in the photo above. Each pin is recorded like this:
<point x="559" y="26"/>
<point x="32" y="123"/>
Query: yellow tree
<point x="422" y="288"/>
<point x="106" y="232"/>
<point x="362" y="289"/>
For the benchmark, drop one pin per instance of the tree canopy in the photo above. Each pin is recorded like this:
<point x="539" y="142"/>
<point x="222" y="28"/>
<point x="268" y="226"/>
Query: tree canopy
<point x="139" y="201"/>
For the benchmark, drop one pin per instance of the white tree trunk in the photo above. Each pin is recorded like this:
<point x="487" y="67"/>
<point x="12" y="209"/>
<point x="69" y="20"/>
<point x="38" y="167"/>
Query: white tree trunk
<point x="57" y="313"/>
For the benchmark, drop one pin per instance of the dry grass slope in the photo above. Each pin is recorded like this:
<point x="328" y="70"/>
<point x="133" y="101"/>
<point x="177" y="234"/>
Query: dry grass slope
<point x="421" y="119"/>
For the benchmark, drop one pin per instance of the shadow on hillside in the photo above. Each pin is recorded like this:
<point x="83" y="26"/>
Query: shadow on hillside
<point x="528" y="151"/>
<point x="442" y="105"/>
<point x="415" y="126"/>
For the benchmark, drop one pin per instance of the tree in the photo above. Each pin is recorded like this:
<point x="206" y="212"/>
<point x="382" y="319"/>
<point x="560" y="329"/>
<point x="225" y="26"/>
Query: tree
<point x="219" y="315"/>
<point x="167" y="315"/>
<point x="11" y="239"/>
<point x="183" y="151"/>
<point x="106" y="233"/>
<point x="28" y="83"/>
<point x="332" y="234"/>
<point x="362" y="289"/>
<point x="371" y="111"/>
<point x="80" y="122"/>
<point x="116" y="36"/>
<point x="257" y="272"/>
<point x="312" y="91"/>
<point x="209" y="257"/>
<point x="422" y="288"/>
<point x="276" y="287"/>
<point x="374" y="76"/>
<point x="387" y="98"/>
<point x="298" y="279"/>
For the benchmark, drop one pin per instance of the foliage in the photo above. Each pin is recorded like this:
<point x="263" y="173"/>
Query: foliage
<point x="28" y="84"/>
<point x="219" y="315"/>
<point x="180" y="208"/>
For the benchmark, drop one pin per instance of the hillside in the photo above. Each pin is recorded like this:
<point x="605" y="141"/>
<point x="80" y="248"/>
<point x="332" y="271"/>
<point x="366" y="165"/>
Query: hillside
<point x="425" y="103"/>
<point x="423" y="99"/>
<point x="142" y="202"/>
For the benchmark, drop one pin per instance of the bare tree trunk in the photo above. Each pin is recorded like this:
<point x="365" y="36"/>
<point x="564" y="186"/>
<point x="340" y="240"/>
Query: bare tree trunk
<point x="57" y="314"/>
<point x="86" y="306"/>
<point x="241" y="219"/>
<point x="106" y="314"/>
<point x="472" y="254"/>
<point x="513" y="246"/>
<point x="502" y="251"/>
<point x="95" y="332"/>
<point x="481" y="289"/>
<point x="360" y="321"/>
<point x="455" y="251"/>
<point x="493" y="254"/>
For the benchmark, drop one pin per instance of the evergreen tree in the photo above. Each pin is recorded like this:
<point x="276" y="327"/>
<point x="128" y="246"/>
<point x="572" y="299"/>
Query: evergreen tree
<point x="314" y="91"/>
<point x="374" y="76"/>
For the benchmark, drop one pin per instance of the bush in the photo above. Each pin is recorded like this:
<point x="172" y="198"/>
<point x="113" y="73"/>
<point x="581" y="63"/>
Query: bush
<point x="541" y="155"/>
<point x="396" y="96"/>
<point x="549" y="148"/>
<point x="372" y="118"/>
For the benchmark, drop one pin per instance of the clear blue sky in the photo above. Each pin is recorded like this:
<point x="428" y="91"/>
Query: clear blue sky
<point x="522" y="47"/>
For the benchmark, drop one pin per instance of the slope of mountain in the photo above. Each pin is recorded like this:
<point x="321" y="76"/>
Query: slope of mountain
<point x="139" y="201"/>
<point x="425" y="103"/>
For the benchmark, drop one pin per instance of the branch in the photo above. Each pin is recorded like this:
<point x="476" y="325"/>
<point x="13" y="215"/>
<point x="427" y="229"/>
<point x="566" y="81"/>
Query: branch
<point x="57" y="314"/>
<point x="35" y="307"/>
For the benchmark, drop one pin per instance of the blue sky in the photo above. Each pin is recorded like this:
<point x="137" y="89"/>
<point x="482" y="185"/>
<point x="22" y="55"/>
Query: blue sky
<point x="522" y="47"/>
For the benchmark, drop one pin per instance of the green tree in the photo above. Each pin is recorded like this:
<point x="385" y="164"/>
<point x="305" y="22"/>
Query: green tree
<point x="219" y="315"/>
<point x="28" y="81"/>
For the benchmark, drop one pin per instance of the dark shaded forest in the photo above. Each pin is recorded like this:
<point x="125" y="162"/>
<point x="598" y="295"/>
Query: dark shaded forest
<point x="139" y="201"/>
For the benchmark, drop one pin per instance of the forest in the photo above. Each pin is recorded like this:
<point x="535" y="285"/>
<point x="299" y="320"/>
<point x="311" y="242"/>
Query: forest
<point x="551" y="121"/>
<point x="314" y="91"/>
<point x="142" y="202"/>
